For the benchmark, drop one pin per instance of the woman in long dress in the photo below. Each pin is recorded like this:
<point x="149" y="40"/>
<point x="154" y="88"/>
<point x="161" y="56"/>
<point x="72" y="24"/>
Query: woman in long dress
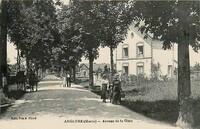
<point x="104" y="88"/>
<point x="116" y="90"/>
<point x="64" y="80"/>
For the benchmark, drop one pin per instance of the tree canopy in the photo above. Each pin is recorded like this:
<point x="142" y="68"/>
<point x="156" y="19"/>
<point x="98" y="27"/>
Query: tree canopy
<point x="114" y="19"/>
<point x="38" y="34"/>
<point x="170" y="21"/>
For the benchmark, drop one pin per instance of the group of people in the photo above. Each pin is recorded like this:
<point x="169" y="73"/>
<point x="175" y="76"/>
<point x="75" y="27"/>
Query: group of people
<point x="111" y="91"/>
<point x="66" y="79"/>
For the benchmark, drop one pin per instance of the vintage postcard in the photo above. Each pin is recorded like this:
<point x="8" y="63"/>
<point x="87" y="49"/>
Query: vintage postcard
<point x="99" y="64"/>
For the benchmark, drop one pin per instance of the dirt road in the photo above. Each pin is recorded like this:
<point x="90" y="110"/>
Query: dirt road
<point x="56" y="107"/>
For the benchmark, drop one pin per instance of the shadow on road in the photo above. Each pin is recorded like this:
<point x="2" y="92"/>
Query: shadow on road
<point x="163" y="110"/>
<point x="14" y="95"/>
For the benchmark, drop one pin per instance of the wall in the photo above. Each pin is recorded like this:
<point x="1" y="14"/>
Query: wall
<point x="133" y="38"/>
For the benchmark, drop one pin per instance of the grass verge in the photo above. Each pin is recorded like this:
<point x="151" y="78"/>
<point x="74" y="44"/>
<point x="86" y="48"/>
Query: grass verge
<point x="158" y="100"/>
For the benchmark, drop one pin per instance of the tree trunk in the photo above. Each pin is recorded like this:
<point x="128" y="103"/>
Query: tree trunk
<point x="0" y="70"/>
<point x="74" y="72"/>
<point x="36" y="69"/>
<point x="3" y="47"/>
<point x="91" y="60"/>
<point x="18" y="58"/>
<point x="27" y="65"/>
<point x="111" y="63"/>
<point x="4" y="37"/>
<point x="185" y="118"/>
<point x="1" y="54"/>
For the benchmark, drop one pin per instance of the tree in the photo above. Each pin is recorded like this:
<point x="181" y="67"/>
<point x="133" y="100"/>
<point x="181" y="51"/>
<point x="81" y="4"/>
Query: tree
<point x="85" y="19"/>
<point x="3" y="44"/>
<point x="37" y="35"/>
<point x="104" y="23"/>
<point x="69" y="49"/>
<point x="4" y="13"/>
<point x="114" y="20"/>
<point x="173" y="22"/>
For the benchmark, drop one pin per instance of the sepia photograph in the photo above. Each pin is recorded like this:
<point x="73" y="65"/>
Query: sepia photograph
<point x="81" y="64"/>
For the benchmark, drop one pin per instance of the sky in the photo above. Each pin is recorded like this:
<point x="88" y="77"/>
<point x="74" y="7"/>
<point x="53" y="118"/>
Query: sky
<point x="11" y="53"/>
<point x="65" y="1"/>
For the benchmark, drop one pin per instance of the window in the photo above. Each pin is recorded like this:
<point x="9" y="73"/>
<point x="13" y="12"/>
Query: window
<point x="125" y="68"/>
<point x="84" y="73"/>
<point x="125" y="51"/>
<point x="140" y="68"/>
<point x="140" y="50"/>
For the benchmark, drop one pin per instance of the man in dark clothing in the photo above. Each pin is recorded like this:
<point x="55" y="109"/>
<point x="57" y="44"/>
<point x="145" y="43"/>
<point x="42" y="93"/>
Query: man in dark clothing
<point x="31" y="80"/>
<point x="68" y="79"/>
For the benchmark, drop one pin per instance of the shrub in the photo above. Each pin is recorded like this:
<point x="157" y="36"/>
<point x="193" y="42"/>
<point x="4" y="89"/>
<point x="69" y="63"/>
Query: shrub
<point x="134" y="80"/>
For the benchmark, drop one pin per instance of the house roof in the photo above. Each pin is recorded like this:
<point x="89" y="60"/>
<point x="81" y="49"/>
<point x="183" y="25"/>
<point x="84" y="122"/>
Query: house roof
<point x="157" y="44"/>
<point x="95" y="66"/>
<point x="83" y="64"/>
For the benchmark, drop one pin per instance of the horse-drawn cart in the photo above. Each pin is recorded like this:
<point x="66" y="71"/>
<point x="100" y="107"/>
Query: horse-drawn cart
<point x="24" y="82"/>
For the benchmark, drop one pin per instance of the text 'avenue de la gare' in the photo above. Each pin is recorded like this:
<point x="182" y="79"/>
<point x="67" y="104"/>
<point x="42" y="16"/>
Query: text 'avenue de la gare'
<point x="99" y="121"/>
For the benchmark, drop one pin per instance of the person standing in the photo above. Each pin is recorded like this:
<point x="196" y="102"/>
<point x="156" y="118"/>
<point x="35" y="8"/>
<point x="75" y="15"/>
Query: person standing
<point x="5" y="85"/>
<point x="64" y="80"/>
<point x="116" y="90"/>
<point x="32" y="80"/>
<point x="104" y="88"/>
<point x="68" y="79"/>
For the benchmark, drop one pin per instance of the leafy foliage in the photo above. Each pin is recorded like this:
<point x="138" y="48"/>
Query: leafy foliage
<point x="114" y="19"/>
<point x="86" y="19"/>
<point x="169" y="20"/>
<point x="69" y="49"/>
<point x="37" y="35"/>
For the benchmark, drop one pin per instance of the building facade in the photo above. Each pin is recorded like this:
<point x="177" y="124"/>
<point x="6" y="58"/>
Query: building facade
<point x="137" y="55"/>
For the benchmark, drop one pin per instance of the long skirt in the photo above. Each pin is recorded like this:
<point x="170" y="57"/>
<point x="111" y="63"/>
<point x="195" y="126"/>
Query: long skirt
<point x="104" y="92"/>
<point x="116" y="97"/>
